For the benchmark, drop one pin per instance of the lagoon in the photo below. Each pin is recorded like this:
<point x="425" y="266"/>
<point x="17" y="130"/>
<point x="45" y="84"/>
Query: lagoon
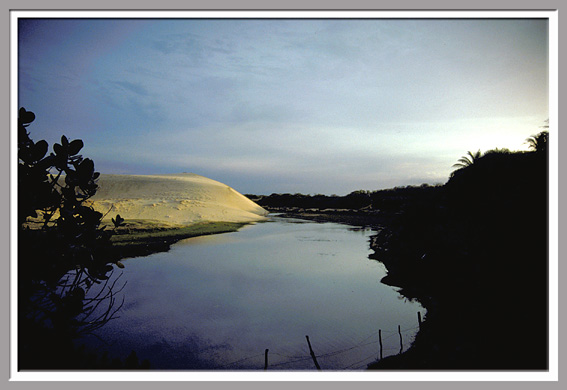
<point x="218" y="302"/>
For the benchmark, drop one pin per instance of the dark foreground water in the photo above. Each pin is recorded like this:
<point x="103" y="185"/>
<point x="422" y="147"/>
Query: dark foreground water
<point x="218" y="302"/>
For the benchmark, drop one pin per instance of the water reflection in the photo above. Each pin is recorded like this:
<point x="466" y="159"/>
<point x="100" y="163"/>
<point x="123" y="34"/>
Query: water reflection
<point x="217" y="302"/>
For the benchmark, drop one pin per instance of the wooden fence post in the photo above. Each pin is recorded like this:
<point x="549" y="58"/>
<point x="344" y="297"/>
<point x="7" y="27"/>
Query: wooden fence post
<point x="312" y="354"/>
<point x="401" y="342"/>
<point x="380" y="340"/>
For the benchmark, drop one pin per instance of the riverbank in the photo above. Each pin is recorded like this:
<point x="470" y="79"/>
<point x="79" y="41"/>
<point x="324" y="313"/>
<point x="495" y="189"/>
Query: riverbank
<point x="138" y="237"/>
<point x="360" y="218"/>
<point x="135" y="238"/>
<point x="142" y="237"/>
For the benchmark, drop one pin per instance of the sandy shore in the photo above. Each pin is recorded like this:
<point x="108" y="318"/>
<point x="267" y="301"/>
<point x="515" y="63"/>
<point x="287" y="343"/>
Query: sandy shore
<point x="177" y="199"/>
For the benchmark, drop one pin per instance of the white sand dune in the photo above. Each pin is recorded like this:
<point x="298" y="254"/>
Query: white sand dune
<point x="173" y="198"/>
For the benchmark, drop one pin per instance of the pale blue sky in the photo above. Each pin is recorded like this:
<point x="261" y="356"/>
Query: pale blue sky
<point x="275" y="105"/>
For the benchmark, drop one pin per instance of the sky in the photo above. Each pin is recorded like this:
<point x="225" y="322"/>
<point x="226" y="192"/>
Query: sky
<point x="312" y="106"/>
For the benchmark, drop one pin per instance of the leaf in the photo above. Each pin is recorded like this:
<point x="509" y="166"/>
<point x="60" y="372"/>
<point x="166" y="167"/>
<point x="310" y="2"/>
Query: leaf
<point x="39" y="150"/>
<point x="75" y="146"/>
<point x="64" y="141"/>
<point x="58" y="149"/>
<point x="26" y="116"/>
<point x="86" y="168"/>
<point x="118" y="221"/>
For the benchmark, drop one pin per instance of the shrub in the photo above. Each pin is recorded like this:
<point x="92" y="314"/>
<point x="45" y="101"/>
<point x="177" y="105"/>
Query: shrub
<point x="63" y="251"/>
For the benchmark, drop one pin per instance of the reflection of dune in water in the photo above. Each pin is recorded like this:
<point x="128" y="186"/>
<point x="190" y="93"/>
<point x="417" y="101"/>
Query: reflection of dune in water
<point x="207" y="240"/>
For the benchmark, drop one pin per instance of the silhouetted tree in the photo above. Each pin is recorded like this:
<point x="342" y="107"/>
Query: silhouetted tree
<point x="468" y="159"/>
<point x="63" y="251"/>
<point x="538" y="142"/>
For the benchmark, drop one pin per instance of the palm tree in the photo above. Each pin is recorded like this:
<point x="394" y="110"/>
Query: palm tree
<point x="468" y="159"/>
<point x="538" y="142"/>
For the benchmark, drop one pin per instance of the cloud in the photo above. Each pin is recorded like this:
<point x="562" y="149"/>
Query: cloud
<point x="132" y="87"/>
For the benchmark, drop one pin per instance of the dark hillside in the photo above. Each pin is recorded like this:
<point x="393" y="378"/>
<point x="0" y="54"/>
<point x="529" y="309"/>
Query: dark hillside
<point x="478" y="261"/>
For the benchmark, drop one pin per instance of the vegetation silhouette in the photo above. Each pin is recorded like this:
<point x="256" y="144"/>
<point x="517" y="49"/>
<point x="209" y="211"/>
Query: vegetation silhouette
<point x="467" y="160"/>
<point x="377" y="203"/>
<point x="538" y="143"/>
<point x="63" y="252"/>
<point x="477" y="257"/>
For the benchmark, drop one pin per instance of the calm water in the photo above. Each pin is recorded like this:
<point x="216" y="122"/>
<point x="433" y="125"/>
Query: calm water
<point x="218" y="302"/>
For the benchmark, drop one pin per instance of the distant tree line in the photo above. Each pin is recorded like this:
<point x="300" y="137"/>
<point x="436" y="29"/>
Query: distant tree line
<point x="385" y="200"/>
<point x="397" y="198"/>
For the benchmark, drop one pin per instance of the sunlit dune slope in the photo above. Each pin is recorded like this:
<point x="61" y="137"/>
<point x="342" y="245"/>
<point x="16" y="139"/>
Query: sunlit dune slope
<point x="174" y="198"/>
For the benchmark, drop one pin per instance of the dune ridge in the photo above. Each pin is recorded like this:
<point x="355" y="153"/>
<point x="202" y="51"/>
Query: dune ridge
<point x="179" y="199"/>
